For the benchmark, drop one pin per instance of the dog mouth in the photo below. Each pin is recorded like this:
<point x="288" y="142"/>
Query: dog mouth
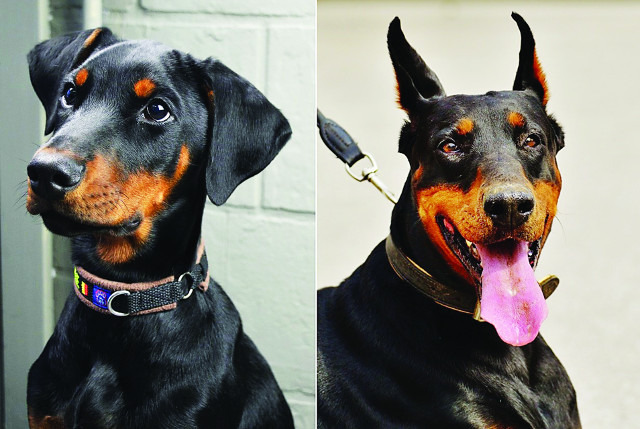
<point x="467" y="251"/>
<point x="503" y="270"/>
<point x="68" y="226"/>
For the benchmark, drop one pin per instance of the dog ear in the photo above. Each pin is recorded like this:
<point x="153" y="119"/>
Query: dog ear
<point x="415" y="80"/>
<point x="529" y="75"/>
<point x="50" y="60"/>
<point x="246" y="130"/>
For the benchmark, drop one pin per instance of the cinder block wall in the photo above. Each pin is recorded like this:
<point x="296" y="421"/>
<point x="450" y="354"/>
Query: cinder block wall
<point x="261" y="242"/>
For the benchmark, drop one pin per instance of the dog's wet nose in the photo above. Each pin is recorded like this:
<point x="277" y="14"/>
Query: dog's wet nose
<point x="509" y="206"/>
<point x="52" y="174"/>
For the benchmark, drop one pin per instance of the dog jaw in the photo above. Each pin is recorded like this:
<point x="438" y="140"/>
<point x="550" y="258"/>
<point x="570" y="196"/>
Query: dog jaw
<point x="118" y="208"/>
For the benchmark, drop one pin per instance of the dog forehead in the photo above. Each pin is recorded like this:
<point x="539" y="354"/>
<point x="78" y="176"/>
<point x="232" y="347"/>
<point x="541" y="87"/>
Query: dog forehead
<point x="132" y="59"/>
<point x="128" y="52"/>
<point x="473" y="110"/>
<point x="139" y="67"/>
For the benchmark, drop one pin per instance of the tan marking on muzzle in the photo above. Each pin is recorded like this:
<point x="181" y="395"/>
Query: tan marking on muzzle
<point x="145" y="194"/>
<point x="465" y="211"/>
<point x="109" y="197"/>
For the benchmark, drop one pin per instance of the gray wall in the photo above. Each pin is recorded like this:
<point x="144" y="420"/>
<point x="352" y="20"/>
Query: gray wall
<point x="590" y="54"/>
<point x="27" y="304"/>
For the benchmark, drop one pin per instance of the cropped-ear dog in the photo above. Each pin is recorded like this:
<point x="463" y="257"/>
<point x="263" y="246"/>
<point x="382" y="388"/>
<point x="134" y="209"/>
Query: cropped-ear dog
<point x="439" y="327"/>
<point x="141" y="135"/>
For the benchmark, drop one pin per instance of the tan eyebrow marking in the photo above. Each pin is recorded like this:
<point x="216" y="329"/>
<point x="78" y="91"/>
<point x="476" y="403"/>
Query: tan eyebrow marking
<point x="516" y="119"/>
<point x="464" y="126"/>
<point x="144" y="87"/>
<point x="82" y="76"/>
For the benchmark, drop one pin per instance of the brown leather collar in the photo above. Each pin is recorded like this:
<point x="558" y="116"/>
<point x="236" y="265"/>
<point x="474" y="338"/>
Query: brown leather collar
<point x="454" y="297"/>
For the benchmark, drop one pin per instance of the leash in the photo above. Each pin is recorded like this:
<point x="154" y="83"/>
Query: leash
<point x="459" y="299"/>
<point x="346" y="149"/>
<point x="132" y="299"/>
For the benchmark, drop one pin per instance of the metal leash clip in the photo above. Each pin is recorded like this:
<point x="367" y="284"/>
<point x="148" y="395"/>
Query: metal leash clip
<point x="345" y="148"/>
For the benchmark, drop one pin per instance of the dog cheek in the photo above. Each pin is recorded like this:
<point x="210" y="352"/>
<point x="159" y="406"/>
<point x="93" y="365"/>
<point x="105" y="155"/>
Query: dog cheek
<point x="546" y="194"/>
<point x="146" y="193"/>
<point x="94" y="200"/>
<point x="450" y="202"/>
<point x="462" y="208"/>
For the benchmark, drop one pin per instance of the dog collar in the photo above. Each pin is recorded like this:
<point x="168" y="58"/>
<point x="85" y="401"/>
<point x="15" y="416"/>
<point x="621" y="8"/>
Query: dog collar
<point x="132" y="299"/>
<point x="462" y="300"/>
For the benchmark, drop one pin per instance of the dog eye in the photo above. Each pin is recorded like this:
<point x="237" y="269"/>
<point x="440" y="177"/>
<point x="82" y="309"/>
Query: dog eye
<point x="157" y="110"/>
<point x="69" y="96"/>
<point x="449" y="146"/>
<point x="532" y="141"/>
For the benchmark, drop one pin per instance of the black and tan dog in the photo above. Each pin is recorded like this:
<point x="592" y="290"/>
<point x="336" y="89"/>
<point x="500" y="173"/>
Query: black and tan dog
<point x="141" y="135"/>
<point x="466" y="232"/>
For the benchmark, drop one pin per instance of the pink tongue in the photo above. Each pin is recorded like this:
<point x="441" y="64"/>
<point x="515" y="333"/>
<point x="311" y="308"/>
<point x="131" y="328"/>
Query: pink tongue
<point x="511" y="300"/>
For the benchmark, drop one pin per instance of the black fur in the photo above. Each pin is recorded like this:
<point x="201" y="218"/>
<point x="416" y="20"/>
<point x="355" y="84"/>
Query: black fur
<point x="388" y="356"/>
<point x="184" y="368"/>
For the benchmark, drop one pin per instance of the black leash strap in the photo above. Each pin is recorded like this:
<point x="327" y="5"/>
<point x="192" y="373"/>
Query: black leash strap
<point x="338" y="141"/>
<point x="346" y="149"/>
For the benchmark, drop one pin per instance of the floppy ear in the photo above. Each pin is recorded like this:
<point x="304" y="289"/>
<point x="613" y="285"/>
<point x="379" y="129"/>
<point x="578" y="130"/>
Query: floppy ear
<point x="529" y="76"/>
<point x="246" y="130"/>
<point x="415" y="80"/>
<point x="50" y="60"/>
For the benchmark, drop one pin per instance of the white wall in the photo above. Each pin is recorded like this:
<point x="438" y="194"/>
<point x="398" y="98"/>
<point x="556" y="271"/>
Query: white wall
<point x="590" y="55"/>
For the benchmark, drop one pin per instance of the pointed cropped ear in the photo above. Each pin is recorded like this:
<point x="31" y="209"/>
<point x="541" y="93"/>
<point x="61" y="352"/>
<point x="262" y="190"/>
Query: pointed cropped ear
<point x="529" y="75"/>
<point x="415" y="81"/>
<point x="246" y="130"/>
<point x="52" y="59"/>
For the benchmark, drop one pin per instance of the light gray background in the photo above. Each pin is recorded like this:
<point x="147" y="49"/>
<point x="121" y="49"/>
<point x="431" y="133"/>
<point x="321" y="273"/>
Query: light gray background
<point x="590" y="55"/>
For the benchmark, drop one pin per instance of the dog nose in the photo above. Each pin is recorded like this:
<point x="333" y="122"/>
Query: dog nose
<point x="509" y="206"/>
<point x="52" y="174"/>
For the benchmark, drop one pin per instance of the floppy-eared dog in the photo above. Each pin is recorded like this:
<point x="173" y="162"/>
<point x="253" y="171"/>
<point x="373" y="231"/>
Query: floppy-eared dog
<point x="140" y="135"/>
<point x="439" y="327"/>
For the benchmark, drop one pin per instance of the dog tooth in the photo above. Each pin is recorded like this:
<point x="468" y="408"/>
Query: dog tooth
<point x="474" y="252"/>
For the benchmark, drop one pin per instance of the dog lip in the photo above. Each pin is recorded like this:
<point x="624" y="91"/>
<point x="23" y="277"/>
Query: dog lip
<point x="69" y="226"/>
<point x="468" y="255"/>
<point x="458" y="245"/>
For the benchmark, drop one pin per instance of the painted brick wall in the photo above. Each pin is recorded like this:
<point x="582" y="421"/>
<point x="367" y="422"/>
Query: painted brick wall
<point x="261" y="242"/>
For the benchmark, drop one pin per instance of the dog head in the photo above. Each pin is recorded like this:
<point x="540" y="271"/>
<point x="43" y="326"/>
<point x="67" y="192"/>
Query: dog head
<point x="132" y="122"/>
<point x="484" y="180"/>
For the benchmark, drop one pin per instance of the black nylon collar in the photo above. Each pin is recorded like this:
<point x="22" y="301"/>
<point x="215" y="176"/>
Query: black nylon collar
<point x="130" y="299"/>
